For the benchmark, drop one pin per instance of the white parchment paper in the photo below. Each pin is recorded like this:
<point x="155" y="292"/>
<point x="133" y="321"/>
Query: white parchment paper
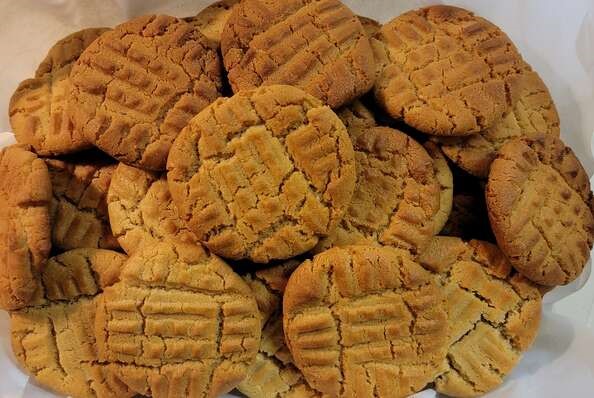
<point x="555" y="37"/>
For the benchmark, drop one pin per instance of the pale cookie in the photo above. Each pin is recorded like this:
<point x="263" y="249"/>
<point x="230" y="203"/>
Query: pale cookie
<point x="25" y="233"/>
<point x="534" y="112"/>
<point x="397" y="194"/>
<point x="54" y="340"/>
<point x="212" y="19"/>
<point x="317" y="45"/>
<point x="273" y="374"/>
<point x="141" y="210"/>
<point x="493" y="313"/>
<point x="446" y="186"/>
<point x="180" y="323"/>
<point x="445" y="71"/>
<point x="365" y="321"/>
<point x="78" y="210"/>
<point x="138" y="85"/>
<point x="541" y="209"/>
<point x="262" y="175"/>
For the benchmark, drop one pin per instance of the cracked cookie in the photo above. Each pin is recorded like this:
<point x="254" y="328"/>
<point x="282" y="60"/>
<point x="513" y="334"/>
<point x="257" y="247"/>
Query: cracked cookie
<point x="53" y="339"/>
<point x="25" y="232"/>
<point x="365" y="321"/>
<point x="397" y="194"/>
<point x="38" y="108"/>
<point x="446" y="186"/>
<point x="262" y="175"/>
<point x="137" y="86"/>
<point x="78" y="211"/>
<point x="179" y="323"/>
<point x="445" y="71"/>
<point x="493" y="313"/>
<point x="212" y="19"/>
<point x="534" y="112"/>
<point x="273" y="374"/>
<point x="141" y="210"/>
<point x="541" y="209"/>
<point x="317" y="45"/>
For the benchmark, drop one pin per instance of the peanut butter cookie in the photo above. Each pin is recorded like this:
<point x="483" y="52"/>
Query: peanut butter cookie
<point x="319" y="46"/>
<point x="25" y="233"/>
<point x="541" y="209"/>
<point x="262" y="175"/>
<point x="138" y="85"/>
<point x="445" y="71"/>
<point x="212" y="19"/>
<point x="493" y="313"/>
<point x="446" y="185"/>
<point x="365" y="321"/>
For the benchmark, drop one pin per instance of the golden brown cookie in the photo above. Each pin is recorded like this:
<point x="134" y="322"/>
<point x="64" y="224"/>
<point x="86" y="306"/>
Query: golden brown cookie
<point x="139" y="84"/>
<point x="446" y="185"/>
<point x="212" y="19"/>
<point x="78" y="210"/>
<point x="534" y="112"/>
<point x="370" y="26"/>
<point x="541" y="209"/>
<point x="141" y="210"/>
<point x="444" y="70"/>
<point x="179" y="323"/>
<point x="54" y="339"/>
<point x="317" y="45"/>
<point x="397" y="194"/>
<point x="273" y="374"/>
<point x="365" y="321"/>
<point x="25" y="233"/>
<point x="493" y="313"/>
<point x="262" y="175"/>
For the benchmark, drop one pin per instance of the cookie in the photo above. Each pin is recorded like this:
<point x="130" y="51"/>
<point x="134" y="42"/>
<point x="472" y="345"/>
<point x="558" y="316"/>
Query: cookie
<point x="370" y="26"/>
<point x="397" y="194"/>
<point x="541" y="209"/>
<point x="179" y="323"/>
<point x="356" y="117"/>
<point x="446" y="185"/>
<point x="212" y="19"/>
<point x="273" y="374"/>
<point x="141" y="210"/>
<point x="493" y="313"/>
<point x="137" y="86"/>
<point x="25" y="234"/>
<point x="534" y="112"/>
<point x="53" y="340"/>
<point x="445" y="71"/>
<point x="317" y="45"/>
<point x="365" y="321"/>
<point x="78" y="210"/>
<point x="262" y="175"/>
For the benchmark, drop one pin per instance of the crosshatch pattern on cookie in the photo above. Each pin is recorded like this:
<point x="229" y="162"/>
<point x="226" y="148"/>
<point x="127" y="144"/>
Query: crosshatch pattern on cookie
<point x="262" y="175"/>
<point x="365" y="321"/>
<point x="317" y="45"/>
<point x="138" y="85"/>
<point x="445" y="71"/>
<point x="493" y="313"/>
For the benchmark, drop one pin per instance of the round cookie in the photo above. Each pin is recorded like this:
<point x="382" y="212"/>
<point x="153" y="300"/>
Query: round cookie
<point x="493" y="313"/>
<point x="365" y="321"/>
<point x="137" y="86"/>
<point x="179" y="323"/>
<point x="78" y="211"/>
<point x="25" y="233"/>
<point x="262" y="175"/>
<point x="446" y="186"/>
<point x="141" y="210"/>
<point x="445" y="71"/>
<point x="53" y="339"/>
<point x="397" y="194"/>
<point x="534" y="112"/>
<point x="317" y="45"/>
<point x="273" y="374"/>
<point x="212" y="19"/>
<point x="541" y="209"/>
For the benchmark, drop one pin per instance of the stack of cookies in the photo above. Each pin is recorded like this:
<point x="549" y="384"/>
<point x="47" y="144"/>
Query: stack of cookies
<point x="288" y="199"/>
